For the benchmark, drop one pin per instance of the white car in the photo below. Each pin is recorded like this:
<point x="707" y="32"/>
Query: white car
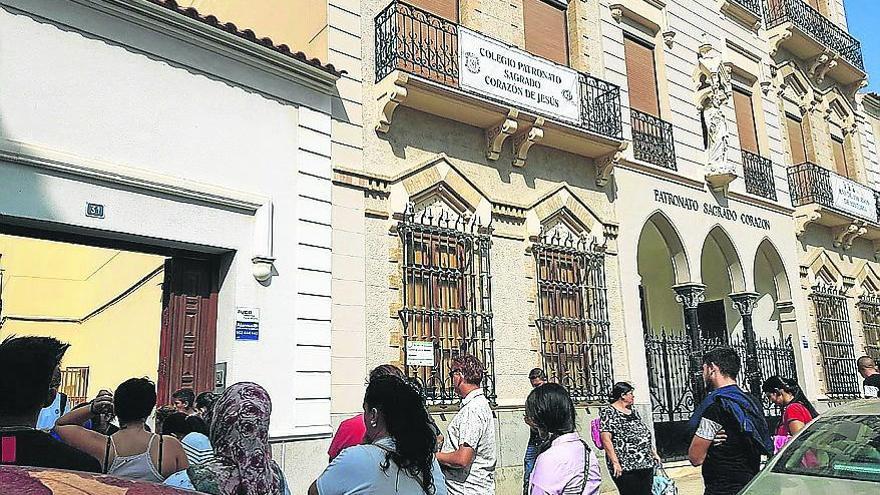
<point x="838" y="453"/>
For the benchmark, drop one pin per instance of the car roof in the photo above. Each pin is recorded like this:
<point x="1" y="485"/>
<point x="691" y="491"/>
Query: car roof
<point x="861" y="407"/>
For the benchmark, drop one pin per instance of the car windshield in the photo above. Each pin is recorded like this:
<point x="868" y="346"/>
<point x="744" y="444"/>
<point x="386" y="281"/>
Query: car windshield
<point x="835" y="447"/>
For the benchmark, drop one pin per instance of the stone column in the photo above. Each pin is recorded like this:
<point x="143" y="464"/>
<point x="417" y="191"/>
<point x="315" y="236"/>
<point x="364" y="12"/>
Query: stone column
<point x="690" y="295"/>
<point x="744" y="302"/>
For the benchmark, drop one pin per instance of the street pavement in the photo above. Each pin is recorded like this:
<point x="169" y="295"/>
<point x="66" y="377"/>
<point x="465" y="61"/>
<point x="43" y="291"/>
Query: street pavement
<point x="687" y="480"/>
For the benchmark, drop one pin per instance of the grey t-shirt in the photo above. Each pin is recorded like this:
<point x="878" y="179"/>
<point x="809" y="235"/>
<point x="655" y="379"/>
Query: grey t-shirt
<point x="475" y="427"/>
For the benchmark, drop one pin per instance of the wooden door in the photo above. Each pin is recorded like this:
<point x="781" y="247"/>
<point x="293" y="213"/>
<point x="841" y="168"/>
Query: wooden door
<point x="189" y="327"/>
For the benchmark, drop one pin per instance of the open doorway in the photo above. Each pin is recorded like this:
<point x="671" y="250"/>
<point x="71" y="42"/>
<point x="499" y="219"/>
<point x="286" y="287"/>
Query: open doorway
<point x="126" y="312"/>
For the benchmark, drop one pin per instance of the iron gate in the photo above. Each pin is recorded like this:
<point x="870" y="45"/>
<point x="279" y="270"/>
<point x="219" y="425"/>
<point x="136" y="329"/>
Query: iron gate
<point x="672" y="396"/>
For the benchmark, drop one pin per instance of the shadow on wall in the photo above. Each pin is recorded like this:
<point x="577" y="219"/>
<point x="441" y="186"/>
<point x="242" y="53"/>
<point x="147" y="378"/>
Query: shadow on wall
<point x="432" y="134"/>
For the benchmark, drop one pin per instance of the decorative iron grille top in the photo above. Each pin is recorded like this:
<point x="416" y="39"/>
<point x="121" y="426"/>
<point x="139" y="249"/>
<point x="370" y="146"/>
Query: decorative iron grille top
<point x="573" y="320"/>
<point x="446" y="296"/>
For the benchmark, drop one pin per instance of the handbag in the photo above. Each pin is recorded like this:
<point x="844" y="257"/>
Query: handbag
<point x="663" y="484"/>
<point x="596" y="433"/>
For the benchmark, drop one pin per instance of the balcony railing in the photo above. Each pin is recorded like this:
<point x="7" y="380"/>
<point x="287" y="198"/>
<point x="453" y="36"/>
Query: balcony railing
<point x="652" y="140"/>
<point x="758" y="173"/>
<point x="423" y="44"/>
<point x="819" y="27"/>
<point x="753" y="6"/>
<point x="811" y="184"/>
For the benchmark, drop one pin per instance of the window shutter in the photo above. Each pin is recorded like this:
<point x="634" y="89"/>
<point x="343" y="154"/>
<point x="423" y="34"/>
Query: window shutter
<point x="447" y="9"/>
<point x="745" y="121"/>
<point x="796" y="140"/>
<point x="641" y="77"/>
<point x="839" y="157"/>
<point x="545" y="30"/>
<point x="813" y="3"/>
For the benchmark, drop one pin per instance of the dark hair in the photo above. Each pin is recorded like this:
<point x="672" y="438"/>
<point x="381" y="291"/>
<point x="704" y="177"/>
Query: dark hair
<point x="175" y="424"/>
<point x="206" y="400"/>
<point x="134" y="399"/>
<point x="196" y="424"/>
<point x="537" y="373"/>
<point x="186" y="395"/>
<point x="470" y="366"/>
<point x="552" y="410"/>
<point x="866" y="362"/>
<point x="619" y="390"/>
<point x="776" y="384"/>
<point x="725" y="358"/>
<point x="26" y="368"/>
<point x="407" y="422"/>
<point x="384" y="370"/>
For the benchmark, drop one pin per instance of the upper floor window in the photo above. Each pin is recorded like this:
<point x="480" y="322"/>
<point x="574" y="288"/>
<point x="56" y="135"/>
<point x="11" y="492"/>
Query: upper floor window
<point x="840" y="162"/>
<point x="573" y="314"/>
<point x="446" y="295"/>
<point x="545" y="29"/>
<point x="641" y="76"/>
<point x="796" y="142"/>
<point x="745" y="120"/>
<point x="447" y="9"/>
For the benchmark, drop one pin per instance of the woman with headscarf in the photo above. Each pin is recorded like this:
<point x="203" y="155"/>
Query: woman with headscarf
<point x="239" y="433"/>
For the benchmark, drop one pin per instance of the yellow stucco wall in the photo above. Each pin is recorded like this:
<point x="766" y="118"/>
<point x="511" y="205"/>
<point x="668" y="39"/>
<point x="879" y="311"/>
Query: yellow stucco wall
<point x="301" y="24"/>
<point x="55" y="280"/>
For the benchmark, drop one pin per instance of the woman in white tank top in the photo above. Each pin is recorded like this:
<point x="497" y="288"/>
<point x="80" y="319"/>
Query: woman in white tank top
<point x="133" y="452"/>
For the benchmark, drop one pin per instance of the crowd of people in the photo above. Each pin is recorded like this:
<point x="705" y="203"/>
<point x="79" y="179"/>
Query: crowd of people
<point x="219" y="444"/>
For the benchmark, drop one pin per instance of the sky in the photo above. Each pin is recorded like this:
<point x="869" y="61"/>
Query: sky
<point x="863" y="18"/>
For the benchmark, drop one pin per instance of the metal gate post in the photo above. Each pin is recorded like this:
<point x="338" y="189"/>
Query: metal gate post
<point x="690" y="295"/>
<point x="745" y="304"/>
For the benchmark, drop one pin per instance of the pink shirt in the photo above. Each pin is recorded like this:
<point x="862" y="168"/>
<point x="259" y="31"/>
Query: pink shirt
<point x="350" y="432"/>
<point x="560" y="469"/>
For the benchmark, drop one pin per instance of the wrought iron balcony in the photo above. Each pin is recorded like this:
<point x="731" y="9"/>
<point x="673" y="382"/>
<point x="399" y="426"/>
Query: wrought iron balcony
<point x="422" y="44"/>
<point x="809" y="21"/>
<point x="758" y="174"/>
<point x="753" y="6"/>
<point x="848" y="201"/>
<point x="652" y="140"/>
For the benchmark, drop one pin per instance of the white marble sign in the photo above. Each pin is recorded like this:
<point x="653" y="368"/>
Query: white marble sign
<point x="854" y="198"/>
<point x="491" y="68"/>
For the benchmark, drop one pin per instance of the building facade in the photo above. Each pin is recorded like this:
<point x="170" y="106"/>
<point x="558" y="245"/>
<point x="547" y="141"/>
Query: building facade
<point x="198" y="157"/>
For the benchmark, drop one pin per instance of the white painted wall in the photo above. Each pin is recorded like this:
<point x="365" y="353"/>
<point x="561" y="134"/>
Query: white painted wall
<point x="96" y="91"/>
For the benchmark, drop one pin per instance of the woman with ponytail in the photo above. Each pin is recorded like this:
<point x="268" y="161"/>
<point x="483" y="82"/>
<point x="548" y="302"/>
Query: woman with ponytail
<point x="796" y="409"/>
<point x="398" y="454"/>
<point x="566" y="465"/>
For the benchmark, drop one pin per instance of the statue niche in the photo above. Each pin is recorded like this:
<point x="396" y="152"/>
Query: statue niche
<point x="713" y="95"/>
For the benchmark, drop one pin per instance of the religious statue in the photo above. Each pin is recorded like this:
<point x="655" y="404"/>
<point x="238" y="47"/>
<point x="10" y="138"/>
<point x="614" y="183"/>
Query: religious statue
<point x="715" y="92"/>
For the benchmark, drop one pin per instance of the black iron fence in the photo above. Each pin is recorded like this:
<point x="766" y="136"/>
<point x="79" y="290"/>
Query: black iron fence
<point x="652" y="140"/>
<point x="426" y="45"/>
<point x="447" y="302"/>
<point x="573" y="317"/>
<point x="672" y="396"/>
<point x="816" y="25"/>
<point x="753" y="6"/>
<point x="758" y="172"/>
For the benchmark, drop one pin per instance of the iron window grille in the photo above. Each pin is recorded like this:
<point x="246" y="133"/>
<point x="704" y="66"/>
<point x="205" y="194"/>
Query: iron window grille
<point x="758" y="172"/>
<point x="446" y="296"/>
<point x="652" y="140"/>
<point x="869" y="306"/>
<point x="75" y="384"/>
<point x="835" y="342"/>
<point x="816" y="25"/>
<point x="573" y="315"/>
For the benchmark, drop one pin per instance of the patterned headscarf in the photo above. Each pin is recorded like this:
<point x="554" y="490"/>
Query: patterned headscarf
<point x="242" y="463"/>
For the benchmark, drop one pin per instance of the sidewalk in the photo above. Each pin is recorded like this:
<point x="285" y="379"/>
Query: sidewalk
<point x="687" y="479"/>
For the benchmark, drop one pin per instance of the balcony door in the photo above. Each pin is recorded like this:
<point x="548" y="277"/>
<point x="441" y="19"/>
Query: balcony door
<point x="641" y="76"/>
<point x="545" y="32"/>
<point x="745" y="121"/>
<point x="447" y="9"/>
<point x="796" y="142"/>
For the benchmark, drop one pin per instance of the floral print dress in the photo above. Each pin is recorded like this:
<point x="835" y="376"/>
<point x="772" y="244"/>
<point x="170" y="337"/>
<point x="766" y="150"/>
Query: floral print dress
<point x="630" y="437"/>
